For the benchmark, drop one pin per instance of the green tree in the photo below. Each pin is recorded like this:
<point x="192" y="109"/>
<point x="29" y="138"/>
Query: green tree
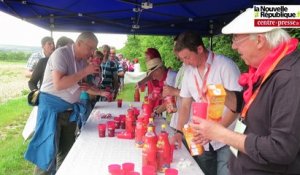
<point x="136" y="46"/>
<point x="13" y="56"/>
<point x="295" y="33"/>
<point x="222" y="45"/>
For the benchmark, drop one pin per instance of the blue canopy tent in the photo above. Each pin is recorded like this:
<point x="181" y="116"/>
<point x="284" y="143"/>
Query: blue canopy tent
<point x="153" y="17"/>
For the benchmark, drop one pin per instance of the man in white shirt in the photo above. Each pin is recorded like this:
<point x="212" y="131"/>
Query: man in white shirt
<point x="65" y="68"/>
<point x="205" y="66"/>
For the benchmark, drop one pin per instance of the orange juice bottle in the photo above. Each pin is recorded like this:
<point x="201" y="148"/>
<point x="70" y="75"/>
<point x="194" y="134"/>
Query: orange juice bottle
<point x="195" y="149"/>
<point x="216" y="99"/>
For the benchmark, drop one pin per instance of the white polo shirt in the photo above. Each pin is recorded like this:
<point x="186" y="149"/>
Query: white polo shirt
<point x="222" y="71"/>
<point x="178" y="84"/>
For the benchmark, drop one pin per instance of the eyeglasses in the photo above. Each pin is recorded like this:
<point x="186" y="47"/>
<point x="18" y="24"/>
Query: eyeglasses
<point x="90" y="48"/>
<point x="236" y="41"/>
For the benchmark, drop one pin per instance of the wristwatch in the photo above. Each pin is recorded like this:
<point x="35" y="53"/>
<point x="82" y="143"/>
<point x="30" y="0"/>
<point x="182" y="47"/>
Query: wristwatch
<point x="156" y="113"/>
<point x="178" y="131"/>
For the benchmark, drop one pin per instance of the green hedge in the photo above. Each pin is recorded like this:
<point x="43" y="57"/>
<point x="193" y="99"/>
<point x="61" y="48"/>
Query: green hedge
<point x="14" y="56"/>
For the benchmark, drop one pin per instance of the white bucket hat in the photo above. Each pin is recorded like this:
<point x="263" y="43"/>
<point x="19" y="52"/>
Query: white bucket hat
<point x="244" y="24"/>
<point x="153" y="64"/>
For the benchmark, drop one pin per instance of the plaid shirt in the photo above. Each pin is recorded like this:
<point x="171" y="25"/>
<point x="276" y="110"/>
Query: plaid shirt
<point x="108" y="70"/>
<point x="118" y="65"/>
<point x="33" y="60"/>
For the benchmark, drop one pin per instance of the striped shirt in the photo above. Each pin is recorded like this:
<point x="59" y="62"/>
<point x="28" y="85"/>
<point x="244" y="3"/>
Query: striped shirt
<point x="108" y="70"/>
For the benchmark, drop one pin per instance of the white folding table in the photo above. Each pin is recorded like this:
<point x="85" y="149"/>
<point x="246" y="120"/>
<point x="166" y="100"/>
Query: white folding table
<point x="91" y="155"/>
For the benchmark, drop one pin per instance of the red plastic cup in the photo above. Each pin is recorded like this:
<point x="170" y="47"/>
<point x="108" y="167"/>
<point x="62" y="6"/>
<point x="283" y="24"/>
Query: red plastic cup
<point x="200" y="109"/>
<point x="128" y="167"/>
<point x="110" y="128"/>
<point x="171" y="171"/>
<point x="148" y="170"/>
<point x="119" y="102"/>
<point x="117" y="122"/>
<point x="122" y="121"/>
<point x="113" y="167"/>
<point x="118" y="172"/>
<point x="143" y="88"/>
<point x="101" y="129"/>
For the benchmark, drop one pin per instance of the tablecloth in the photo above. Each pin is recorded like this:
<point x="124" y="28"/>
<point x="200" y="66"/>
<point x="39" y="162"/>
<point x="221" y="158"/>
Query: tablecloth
<point x="133" y="77"/>
<point x="91" y="155"/>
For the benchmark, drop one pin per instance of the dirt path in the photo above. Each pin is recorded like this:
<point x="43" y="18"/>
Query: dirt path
<point x="12" y="81"/>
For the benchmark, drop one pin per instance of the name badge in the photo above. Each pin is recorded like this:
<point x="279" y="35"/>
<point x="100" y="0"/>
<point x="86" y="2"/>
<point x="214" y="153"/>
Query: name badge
<point x="240" y="127"/>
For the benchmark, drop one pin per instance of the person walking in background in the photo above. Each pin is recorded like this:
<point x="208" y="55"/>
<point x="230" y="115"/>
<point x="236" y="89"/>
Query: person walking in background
<point x="204" y="68"/>
<point x="48" y="47"/>
<point x="267" y="138"/>
<point x="37" y="76"/>
<point x="109" y="73"/>
<point x="119" y="67"/>
<point x="59" y="111"/>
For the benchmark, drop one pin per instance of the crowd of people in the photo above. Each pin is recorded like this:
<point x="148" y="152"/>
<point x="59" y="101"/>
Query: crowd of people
<point x="258" y="133"/>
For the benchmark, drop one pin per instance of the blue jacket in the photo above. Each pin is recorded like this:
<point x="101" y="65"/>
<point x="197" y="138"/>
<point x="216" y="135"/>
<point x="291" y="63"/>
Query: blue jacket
<point x="42" y="148"/>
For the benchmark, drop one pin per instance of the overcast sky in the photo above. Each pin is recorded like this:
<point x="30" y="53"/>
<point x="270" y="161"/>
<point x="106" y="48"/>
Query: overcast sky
<point x="14" y="31"/>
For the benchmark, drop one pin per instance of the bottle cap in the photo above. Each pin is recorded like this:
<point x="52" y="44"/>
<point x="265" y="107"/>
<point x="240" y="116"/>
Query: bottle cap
<point x="150" y="129"/>
<point x="150" y="119"/>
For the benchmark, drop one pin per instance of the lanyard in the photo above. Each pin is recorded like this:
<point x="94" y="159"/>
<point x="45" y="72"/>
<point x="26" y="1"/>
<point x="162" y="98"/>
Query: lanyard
<point x="75" y="67"/>
<point x="203" y="91"/>
<point x="104" y="69"/>
<point x="268" y="73"/>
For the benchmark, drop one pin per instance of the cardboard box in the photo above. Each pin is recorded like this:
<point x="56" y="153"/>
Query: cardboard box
<point x="216" y="98"/>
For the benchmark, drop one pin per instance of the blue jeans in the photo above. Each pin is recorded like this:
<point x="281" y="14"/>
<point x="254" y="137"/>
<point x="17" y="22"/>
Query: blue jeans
<point x="214" y="162"/>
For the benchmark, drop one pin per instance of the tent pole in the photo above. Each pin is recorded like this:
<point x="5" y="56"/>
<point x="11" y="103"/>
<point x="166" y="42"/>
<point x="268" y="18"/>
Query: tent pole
<point x="51" y="33"/>
<point x="211" y="43"/>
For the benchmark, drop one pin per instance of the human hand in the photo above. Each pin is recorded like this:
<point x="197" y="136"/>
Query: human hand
<point x="176" y="139"/>
<point x="168" y="90"/>
<point x="104" y="93"/>
<point x="94" y="88"/>
<point x="91" y="69"/>
<point x="206" y="130"/>
<point x="198" y="138"/>
<point x="84" y="86"/>
<point x="139" y="85"/>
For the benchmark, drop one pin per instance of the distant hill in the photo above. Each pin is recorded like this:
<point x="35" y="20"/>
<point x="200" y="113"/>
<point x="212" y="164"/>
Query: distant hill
<point x="16" y="48"/>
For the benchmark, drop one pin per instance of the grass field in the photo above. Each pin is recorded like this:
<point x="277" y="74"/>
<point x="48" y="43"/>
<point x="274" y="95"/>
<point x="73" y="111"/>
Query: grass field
<point x="12" y="80"/>
<point x="14" y="111"/>
<point x="13" y="116"/>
